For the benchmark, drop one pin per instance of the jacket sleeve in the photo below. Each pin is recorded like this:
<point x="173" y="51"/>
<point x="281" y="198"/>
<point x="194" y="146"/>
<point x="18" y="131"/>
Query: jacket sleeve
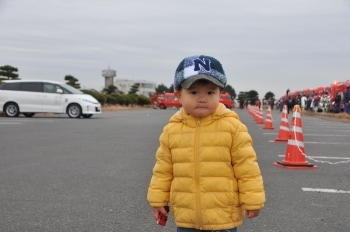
<point x="159" y="188"/>
<point x="246" y="169"/>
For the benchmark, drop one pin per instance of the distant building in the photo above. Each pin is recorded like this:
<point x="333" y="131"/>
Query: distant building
<point x="145" y="87"/>
<point x="109" y="74"/>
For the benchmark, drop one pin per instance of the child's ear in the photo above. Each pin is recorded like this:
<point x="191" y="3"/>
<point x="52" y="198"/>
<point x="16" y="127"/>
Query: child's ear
<point x="177" y="94"/>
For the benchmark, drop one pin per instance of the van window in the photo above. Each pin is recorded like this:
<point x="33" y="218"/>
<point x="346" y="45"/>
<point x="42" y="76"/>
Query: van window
<point x="50" y="88"/>
<point x="32" y="86"/>
<point x="67" y="89"/>
<point x="11" y="86"/>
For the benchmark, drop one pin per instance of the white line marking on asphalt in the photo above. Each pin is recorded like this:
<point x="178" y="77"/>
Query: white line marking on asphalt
<point x="272" y="141"/>
<point x="327" y="143"/>
<point x="324" y="190"/>
<point x="324" y="157"/>
<point x="313" y="135"/>
<point x="343" y="129"/>
<point x="324" y="125"/>
<point x="327" y="135"/>
<point x="32" y="120"/>
<point x="10" y="123"/>
<point x="15" y="120"/>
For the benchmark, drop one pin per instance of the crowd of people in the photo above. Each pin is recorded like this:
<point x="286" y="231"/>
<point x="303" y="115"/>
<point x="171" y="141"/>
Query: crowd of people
<point x="308" y="102"/>
<point x="316" y="102"/>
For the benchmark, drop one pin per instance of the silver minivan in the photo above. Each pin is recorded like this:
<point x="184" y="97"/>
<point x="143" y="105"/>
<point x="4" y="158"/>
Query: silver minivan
<point x="33" y="96"/>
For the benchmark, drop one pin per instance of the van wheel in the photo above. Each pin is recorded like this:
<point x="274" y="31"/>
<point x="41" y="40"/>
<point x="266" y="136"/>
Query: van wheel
<point x="74" y="111"/>
<point x="28" y="114"/>
<point x="162" y="106"/>
<point x="11" y="109"/>
<point x="86" y="115"/>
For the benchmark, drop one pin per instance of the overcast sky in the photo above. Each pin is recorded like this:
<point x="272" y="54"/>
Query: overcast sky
<point x="263" y="45"/>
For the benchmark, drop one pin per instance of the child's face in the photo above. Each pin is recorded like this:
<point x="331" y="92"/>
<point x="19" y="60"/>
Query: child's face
<point x="200" y="99"/>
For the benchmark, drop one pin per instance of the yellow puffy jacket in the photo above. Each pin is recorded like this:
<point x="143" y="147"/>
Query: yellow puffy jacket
<point x="206" y="168"/>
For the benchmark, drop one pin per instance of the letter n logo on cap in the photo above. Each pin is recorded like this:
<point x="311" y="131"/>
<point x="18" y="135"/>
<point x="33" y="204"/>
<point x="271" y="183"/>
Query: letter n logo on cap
<point x="205" y="63"/>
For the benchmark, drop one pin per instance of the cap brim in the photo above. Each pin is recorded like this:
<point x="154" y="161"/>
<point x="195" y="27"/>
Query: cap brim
<point x="189" y="81"/>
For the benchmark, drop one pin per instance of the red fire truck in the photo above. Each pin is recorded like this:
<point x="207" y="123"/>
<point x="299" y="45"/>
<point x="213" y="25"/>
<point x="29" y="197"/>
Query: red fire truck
<point x="226" y="99"/>
<point x="338" y="87"/>
<point x="165" y="100"/>
<point x="320" y="90"/>
<point x="308" y="92"/>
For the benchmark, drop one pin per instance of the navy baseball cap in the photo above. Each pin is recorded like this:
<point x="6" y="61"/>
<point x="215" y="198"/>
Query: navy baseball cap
<point x="194" y="68"/>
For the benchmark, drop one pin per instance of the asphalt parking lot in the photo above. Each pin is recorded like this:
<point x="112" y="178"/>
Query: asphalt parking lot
<point x="62" y="174"/>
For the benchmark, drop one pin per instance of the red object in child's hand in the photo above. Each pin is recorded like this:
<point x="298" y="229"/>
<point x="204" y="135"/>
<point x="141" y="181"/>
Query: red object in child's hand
<point x="162" y="218"/>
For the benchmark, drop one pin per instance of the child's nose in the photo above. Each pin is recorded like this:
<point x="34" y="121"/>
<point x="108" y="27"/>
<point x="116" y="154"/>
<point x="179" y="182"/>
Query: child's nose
<point x="202" y="98"/>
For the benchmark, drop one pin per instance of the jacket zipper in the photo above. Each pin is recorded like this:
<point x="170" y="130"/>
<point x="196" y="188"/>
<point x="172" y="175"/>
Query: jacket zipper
<point x="196" y="172"/>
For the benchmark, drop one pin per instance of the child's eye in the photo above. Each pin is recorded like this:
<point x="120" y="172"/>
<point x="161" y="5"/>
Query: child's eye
<point x="193" y="92"/>
<point x="210" y="92"/>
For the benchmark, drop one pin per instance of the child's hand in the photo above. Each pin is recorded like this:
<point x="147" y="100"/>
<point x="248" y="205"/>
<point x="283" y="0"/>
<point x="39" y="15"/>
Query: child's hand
<point x="156" y="211"/>
<point x="252" y="213"/>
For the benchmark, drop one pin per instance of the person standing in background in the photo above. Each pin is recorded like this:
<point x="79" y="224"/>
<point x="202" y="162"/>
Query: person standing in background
<point x="316" y="102"/>
<point x="346" y="100"/>
<point x="303" y="102"/>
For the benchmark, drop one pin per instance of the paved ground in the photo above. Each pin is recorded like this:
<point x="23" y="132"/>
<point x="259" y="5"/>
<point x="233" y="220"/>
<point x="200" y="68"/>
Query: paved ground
<point x="62" y="174"/>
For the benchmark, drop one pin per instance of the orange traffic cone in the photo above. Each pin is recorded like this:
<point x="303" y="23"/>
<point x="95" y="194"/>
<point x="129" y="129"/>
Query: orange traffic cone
<point x="268" y="121"/>
<point x="283" y="134"/>
<point x="255" y="114"/>
<point x="295" y="157"/>
<point x="259" y="117"/>
<point x="251" y="111"/>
